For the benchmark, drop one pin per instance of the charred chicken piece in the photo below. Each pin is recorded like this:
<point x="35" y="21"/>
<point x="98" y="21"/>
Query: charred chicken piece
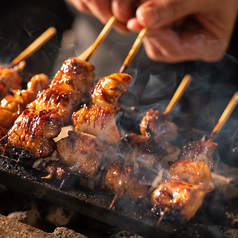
<point x="98" y="121"/>
<point x="31" y="136"/>
<point x="76" y="72"/>
<point x="145" y="151"/>
<point x="55" y="170"/>
<point x="18" y="99"/>
<point x="61" y="97"/>
<point x="158" y="125"/>
<point x="199" y="150"/>
<point x="197" y="173"/>
<point x="9" y="79"/>
<point x="13" y="104"/>
<point x="66" y="90"/>
<point x="119" y="178"/>
<point x="81" y="154"/>
<point x="108" y="90"/>
<point x="180" y="196"/>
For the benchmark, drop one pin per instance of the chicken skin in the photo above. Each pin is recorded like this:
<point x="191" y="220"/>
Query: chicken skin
<point x="31" y="136"/>
<point x="109" y="89"/>
<point x="183" y="197"/>
<point x="197" y="173"/>
<point x="158" y="125"/>
<point x="98" y="121"/>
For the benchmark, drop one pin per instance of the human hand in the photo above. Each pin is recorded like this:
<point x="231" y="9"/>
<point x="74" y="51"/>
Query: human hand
<point x="180" y="30"/>
<point x="104" y="9"/>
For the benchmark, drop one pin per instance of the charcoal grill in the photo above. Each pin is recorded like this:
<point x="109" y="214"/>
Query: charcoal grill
<point x="126" y="215"/>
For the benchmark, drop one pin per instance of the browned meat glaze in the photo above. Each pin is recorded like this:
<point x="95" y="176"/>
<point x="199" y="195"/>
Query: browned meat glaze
<point x="199" y="150"/>
<point x="79" y="154"/>
<point x="119" y="178"/>
<point x="32" y="134"/>
<point x="76" y="72"/>
<point x="9" y="79"/>
<point x="108" y="89"/>
<point x="183" y="197"/>
<point x="197" y="173"/>
<point x="82" y="153"/>
<point x="13" y="104"/>
<point x="144" y="151"/>
<point x="66" y="90"/>
<point x="158" y="125"/>
<point x="63" y="98"/>
<point x="98" y="121"/>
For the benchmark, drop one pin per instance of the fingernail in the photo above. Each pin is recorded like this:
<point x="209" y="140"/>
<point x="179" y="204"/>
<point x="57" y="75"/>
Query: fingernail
<point x="148" y="15"/>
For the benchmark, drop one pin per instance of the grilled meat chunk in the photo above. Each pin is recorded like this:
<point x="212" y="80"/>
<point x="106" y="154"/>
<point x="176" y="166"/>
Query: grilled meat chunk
<point x="119" y="178"/>
<point x="81" y="154"/>
<point x="183" y="197"/>
<point x="66" y="90"/>
<point x="199" y="150"/>
<point x="145" y="151"/>
<point x="61" y="97"/>
<point x="109" y="89"/>
<point x="32" y="135"/>
<point x="197" y="173"/>
<point x="13" y="104"/>
<point x="76" y="72"/>
<point x="158" y="125"/>
<point x="98" y="121"/>
<point x="9" y="79"/>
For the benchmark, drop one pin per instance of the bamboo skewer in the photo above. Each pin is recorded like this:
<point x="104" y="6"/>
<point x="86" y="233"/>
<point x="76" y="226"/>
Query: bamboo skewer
<point x="87" y="54"/>
<point x="225" y="115"/>
<point x="41" y="40"/>
<point x="179" y="92"/>
<point x="135" y="47"/>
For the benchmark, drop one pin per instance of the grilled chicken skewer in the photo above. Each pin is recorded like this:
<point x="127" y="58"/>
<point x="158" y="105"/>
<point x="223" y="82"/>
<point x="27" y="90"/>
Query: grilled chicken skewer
<point x="120" y="179"/>
<point x="157" y="124"/>
<point x="14" y="104"/>
<point x="10" y="79"/>
<point x="79" y="154"/>
<point x="46" y="113"/>
<point x="180" y="196"/>
<point x="190" y="177"/>
<point x="98" y="121"/>
<point x="202" y="150"/>
<point x="31" y="136"/>
<point x="109" y="89"/>
<point x="67" y="89"/>
<point x="145" y="152"/>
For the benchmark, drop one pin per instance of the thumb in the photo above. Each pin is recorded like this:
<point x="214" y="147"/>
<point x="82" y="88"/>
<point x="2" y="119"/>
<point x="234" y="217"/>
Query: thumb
<point x="158" y="13"/>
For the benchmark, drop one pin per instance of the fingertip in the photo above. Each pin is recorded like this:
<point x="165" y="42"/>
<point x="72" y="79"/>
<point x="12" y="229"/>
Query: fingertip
<point x="147" y="15"/>
<point x="134" y="25"/>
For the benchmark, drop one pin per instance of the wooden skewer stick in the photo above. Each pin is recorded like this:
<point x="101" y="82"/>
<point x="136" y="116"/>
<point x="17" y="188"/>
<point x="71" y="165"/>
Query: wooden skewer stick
<point x="34" y="46"/>
<point x="135" y="47"/>
<point x="166" y="210"/>
<point x="87" y="54"/>
<point x="225" y="115"/>
<point x="179" y="92"/>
